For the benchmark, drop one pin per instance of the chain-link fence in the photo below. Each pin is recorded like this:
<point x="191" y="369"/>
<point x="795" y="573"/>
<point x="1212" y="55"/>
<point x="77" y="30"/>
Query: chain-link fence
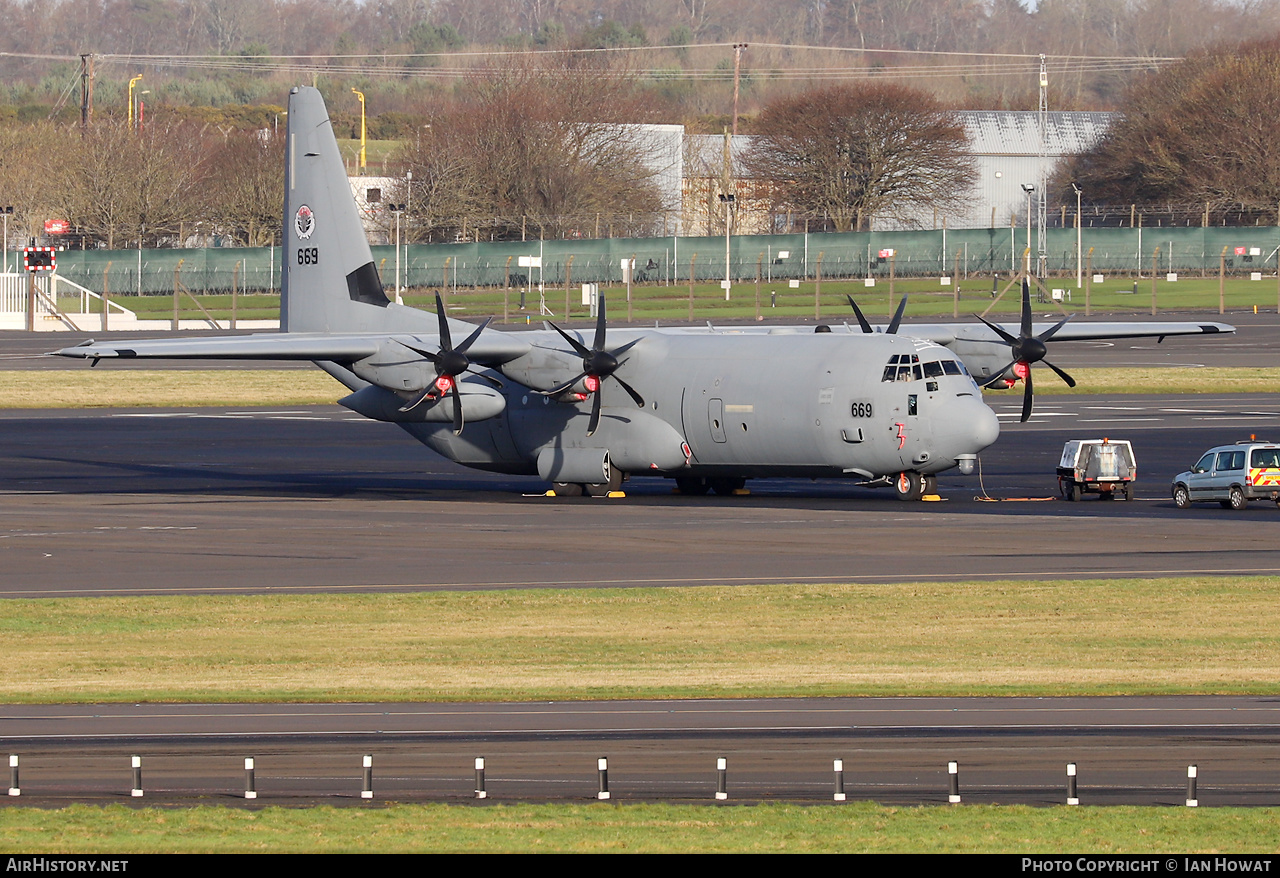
<point x="675" y="260"/>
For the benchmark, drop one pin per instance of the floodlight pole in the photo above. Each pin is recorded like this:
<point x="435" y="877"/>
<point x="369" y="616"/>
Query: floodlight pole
<point x="1079" y="278"/>
<point x="360" y="95"/>
<point x="1028" y="188"/>
<point x="132" y="83"/>
<point x="397" y="209"/>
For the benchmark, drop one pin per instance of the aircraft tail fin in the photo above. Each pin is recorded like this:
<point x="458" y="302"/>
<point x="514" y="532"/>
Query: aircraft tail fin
<point x="329" y="282"/>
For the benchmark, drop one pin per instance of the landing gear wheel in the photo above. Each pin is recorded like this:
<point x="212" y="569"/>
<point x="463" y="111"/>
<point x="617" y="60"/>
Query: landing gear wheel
<point x="908" y="485"/>
<point x="1181" y="497"/>
<point x="603" y="489"/>
<point x="1237" y="500"/>
<point x="726" y="485"/>
<point x="930" y="484"/>
<point x="694" y="486"/>
<point x="567" y="489"/>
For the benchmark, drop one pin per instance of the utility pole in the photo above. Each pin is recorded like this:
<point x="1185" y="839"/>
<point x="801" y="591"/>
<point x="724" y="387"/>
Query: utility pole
<point x="1043" y="201"/>
<point x="86" y="91"/>
<point x="737" y="71"/>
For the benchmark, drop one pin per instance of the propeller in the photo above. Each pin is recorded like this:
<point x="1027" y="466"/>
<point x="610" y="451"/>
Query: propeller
<point x="450" y="362"/>
<point x="892" y="328"/>
<point x="597" y="365"/>
<point x="1027" y="349"/>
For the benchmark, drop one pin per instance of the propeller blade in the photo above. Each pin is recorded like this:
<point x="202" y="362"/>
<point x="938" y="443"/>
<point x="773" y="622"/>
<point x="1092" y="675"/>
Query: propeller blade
<point x="1026" y="308"/>
<point x="419" y="399"/>
<point x="457" y="410"/>
<point x="494" y="381"/>
<point x="897" y="318"/>
<point x="563" y="387"/>
<point x="446" y="343"/>
<point x="639" y="400"/>
<point x="462" y="348"/>
<point x="1071" y="382"/>
<point x="1049" y="333"/>
<point x="595" y="413"/>
<point x="573" y="342"/>
<point x="1008" y="339"/>
<point x="600" y="324"/>
<point x="1027" y="396"/>
<point x="857" y="312"/>
<point x="430" y="355"/>
<point x="999" y="376"/>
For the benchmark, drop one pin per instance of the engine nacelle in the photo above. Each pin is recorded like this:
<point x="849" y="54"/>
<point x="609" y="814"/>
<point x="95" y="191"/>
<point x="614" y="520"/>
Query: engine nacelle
<point x="588" y="466"/>
<point x="479" y="402"/>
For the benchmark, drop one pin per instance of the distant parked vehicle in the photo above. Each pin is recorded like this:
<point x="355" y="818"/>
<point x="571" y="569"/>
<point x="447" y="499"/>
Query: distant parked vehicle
<point x="1105" y="467"/>
<point x="1232" y="474"/>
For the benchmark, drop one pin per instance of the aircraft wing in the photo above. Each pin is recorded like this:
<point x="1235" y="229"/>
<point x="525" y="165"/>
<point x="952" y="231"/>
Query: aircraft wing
<point x="1073" y="331"/>
<point x="491" y="347"/>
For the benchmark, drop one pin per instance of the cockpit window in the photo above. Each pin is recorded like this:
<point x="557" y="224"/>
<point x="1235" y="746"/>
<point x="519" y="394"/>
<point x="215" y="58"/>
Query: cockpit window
<point x="907" y="367"/>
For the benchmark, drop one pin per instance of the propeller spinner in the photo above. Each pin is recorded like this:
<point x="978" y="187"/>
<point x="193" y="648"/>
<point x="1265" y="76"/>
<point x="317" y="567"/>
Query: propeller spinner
<point x="597" y="365"/>
<point x="1027" y="349"/>
<point x="450" y="362"/>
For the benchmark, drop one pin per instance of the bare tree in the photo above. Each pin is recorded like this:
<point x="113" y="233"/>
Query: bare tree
<point x="537" y="142"/>
<point x="244" y="190"/>
<point x="857" y="152"/>
<point x="1206" y="131"/>
<point x="129" y="186"/>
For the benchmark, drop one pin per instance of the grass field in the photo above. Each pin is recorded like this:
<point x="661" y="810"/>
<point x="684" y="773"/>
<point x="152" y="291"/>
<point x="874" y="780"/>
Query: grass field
<point x="610" y="828"/>
<point x="671" y="303"/>
<point x="1088" y="637"/>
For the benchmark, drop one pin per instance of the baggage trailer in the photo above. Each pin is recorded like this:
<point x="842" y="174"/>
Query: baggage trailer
<point x="1105" y="467"/>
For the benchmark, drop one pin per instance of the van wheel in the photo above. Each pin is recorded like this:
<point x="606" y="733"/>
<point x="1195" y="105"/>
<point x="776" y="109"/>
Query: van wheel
<point x="1074" y="492"/>
<point x="1128" y="490"/>
<point x="1237" y="500"/>
<point x="1181" y="497"/>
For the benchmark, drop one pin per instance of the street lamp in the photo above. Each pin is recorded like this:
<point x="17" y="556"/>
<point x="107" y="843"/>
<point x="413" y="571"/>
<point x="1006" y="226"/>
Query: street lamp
<point x="727" y="199"/>
<point x="1079" y="277"/>
<point x="397" y="209"/>
<point x="1028" y="188"/>
<point x="360" y="95"/>
<point x="132" y="83"/>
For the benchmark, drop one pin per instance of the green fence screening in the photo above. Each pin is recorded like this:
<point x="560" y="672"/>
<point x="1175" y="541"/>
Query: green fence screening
<point x="961" y="252"/>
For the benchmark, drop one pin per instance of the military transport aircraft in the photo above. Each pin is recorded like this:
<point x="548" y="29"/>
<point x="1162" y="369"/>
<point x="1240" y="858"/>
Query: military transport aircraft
<point x="709" y="410"/>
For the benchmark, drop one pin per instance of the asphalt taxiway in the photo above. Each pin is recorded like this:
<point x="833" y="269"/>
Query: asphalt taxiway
<point x="318" y="499"/>
<point x="893" y="750"/>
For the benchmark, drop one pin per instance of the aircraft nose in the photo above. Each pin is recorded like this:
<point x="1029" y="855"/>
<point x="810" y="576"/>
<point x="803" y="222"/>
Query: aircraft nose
<point x="971" y="424"/>
<point x="985" y="425"/>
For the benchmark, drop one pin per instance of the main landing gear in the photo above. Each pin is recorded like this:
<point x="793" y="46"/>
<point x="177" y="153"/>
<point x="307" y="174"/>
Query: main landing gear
<point x="699" y="485"/>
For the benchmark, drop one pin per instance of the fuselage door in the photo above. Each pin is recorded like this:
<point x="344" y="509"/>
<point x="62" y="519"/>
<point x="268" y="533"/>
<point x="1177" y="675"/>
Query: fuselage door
<point x="715" y="419"/>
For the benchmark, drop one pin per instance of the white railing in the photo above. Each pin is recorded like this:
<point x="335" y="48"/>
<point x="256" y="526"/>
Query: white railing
<point x="70" y="297"/>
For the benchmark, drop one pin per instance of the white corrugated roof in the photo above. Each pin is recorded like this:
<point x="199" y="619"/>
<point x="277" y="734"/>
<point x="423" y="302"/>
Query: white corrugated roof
<point x="1015" y="132"/>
